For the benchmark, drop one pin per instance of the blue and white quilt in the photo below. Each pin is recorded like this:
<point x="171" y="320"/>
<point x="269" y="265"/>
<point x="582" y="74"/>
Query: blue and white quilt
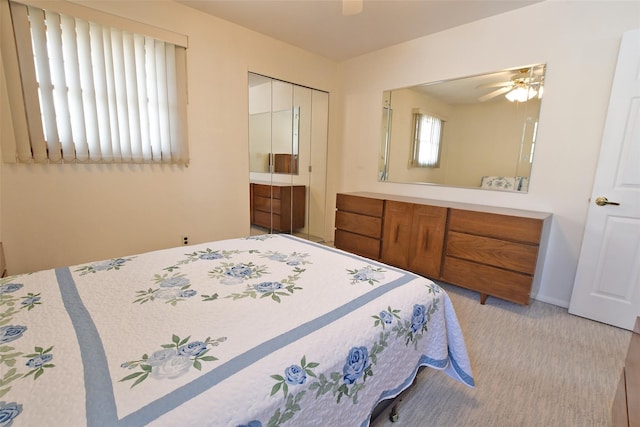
<point x="265" y="331"/>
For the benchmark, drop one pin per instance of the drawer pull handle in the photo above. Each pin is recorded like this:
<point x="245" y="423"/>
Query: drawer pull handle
<point x="397" y="233"/>
<point x="426" y="240"/>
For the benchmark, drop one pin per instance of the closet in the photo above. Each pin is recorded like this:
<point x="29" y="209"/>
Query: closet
<point x="288" y="127"/>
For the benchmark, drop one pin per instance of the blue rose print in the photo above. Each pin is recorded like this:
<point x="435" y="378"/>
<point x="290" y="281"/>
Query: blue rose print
<point x="38" y="361"/>
<point x="160" y="356"/>
<point x="295" y="375"/>
<point x="210" y="256"/>
<point x="254" y="423"/>
<point x="357" y="362"/>
<point x="172" y="361"/>
<point x="361" y="275"/>
<point x="265" y="287"/>
<point x="278" y="257"/>
<point x="167" y="363"/>
<point x="293" y="259"/>
<point x="10" y="287"/>
<point x="187" y="293"/>
<point x="108" y="265"/>
<point x="8" y="412"/>
<point x="30" y="301"/>
<point x="194" y="348"/>
<point x="11" y="332"/>
<point x="239" y="271"/>
<point x="386" y="317"/>
<point x="174" y="282"/>
<point x="366" y="274"/>
<point x="418" y="317"/>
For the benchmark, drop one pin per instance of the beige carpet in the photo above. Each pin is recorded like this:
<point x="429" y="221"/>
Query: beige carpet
<point x="533" y="365"/>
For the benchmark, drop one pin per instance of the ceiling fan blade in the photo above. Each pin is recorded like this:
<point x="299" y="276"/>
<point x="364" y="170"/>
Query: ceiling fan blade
<point x="494" y="93"/>
<point x="499" y="84"/>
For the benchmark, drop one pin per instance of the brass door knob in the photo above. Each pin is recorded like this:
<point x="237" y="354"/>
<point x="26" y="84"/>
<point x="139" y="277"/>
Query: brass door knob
<point x="603" y="201"/>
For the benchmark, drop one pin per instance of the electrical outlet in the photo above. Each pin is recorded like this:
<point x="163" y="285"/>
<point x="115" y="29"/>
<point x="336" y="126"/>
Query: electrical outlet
<point x="185" y="240"/>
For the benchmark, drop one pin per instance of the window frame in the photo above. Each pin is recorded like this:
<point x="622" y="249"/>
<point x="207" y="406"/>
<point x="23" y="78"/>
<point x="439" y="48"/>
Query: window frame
<point x="28" y="144"/>
<point x="420" y="141"/>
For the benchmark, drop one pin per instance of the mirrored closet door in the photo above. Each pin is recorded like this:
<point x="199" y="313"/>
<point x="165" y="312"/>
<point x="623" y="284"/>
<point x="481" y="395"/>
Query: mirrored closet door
<point x="287" y="157"/>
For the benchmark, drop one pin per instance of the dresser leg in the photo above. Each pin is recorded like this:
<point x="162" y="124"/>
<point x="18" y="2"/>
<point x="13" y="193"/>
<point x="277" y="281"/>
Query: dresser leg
<point x="483" y="298"/>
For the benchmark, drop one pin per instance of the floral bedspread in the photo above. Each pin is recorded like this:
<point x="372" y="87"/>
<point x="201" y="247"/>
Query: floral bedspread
<point x="264" y="331"/>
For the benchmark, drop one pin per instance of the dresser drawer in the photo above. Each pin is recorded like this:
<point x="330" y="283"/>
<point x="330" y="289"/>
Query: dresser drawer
<point x="512" y="228"/>
<point x="360" y="224"/>
<point x="266" y="191"/>
<point x="498" y="253"/>
<point x="265" y="204"/>
<point x="262" y="219"/>
<point x="493" y="281"/>
<point x="357" y="244"/>
<point x="361" y="205"/>
<point x="268" y="220"/>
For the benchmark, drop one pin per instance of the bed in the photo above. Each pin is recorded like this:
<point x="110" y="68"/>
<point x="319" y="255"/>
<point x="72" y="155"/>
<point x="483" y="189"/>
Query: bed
<point x="262" y="331"/>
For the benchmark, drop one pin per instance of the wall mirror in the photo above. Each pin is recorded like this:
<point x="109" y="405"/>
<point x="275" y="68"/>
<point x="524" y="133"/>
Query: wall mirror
<point x="476" y="132"/>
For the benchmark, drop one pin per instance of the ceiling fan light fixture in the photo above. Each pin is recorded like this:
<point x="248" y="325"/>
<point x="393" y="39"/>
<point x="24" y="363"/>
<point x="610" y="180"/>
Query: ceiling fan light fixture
<point x="521" y="94"/>
<point x="351" y="7"/>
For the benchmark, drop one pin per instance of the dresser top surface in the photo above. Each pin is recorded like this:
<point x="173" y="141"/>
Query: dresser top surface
<point x="455" y="205"/>
<point x="275" y="184"/>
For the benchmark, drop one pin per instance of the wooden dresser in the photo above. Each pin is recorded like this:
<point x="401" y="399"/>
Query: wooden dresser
<point x="279" y="207"/>
<point x="359" y="225"/>
<point x="626" y="403"/>
<point x="494" y="251"/>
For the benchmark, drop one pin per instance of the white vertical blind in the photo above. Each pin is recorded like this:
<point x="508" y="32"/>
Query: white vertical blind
<point x="152" y="94"/>
<point x="37" y="149"/>
<point x="100" y="147"/>
<point x="70" y="62"/>
<point x="88" y="86"/>
<point x="427" y="139"/>
<point x="58" y="78"/>
<point x="98" y="94"/>
<point x="163" y="101"/>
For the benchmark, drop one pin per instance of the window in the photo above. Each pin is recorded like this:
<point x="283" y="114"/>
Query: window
<point x="427" y="140"/>
<point x="97" y="93"/>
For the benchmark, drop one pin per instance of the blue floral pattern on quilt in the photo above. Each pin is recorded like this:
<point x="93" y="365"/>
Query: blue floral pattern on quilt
<point x="301" y="331"/>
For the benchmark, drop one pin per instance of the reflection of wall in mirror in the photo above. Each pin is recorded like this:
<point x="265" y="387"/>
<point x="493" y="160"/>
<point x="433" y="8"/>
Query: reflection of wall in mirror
<point x="491" y="132"/>
<point x="270" y="118"/>
<point x="489" y="143"/>
<point x="260" y="142"/>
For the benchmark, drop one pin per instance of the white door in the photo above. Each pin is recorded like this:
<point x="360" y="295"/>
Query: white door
<point x="607" y="284"/>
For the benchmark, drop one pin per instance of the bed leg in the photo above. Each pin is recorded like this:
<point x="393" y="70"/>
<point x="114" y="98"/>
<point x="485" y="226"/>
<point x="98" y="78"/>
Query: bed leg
<point x="393" y="416"/>
<point x="483" y="298"/>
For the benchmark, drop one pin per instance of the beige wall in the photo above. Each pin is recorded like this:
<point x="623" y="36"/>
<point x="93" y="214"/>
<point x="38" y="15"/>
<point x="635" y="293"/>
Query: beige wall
<point x="579" y="42"/>
<point x="55" y="215"/>
<point x="59" y="215"/>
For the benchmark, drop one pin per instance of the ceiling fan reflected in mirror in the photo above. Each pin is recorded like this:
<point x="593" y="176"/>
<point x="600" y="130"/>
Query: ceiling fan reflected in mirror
<point x="524" y="84"/>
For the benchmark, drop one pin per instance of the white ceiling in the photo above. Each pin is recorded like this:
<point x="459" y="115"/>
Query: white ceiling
<point x="319" y="26"/>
